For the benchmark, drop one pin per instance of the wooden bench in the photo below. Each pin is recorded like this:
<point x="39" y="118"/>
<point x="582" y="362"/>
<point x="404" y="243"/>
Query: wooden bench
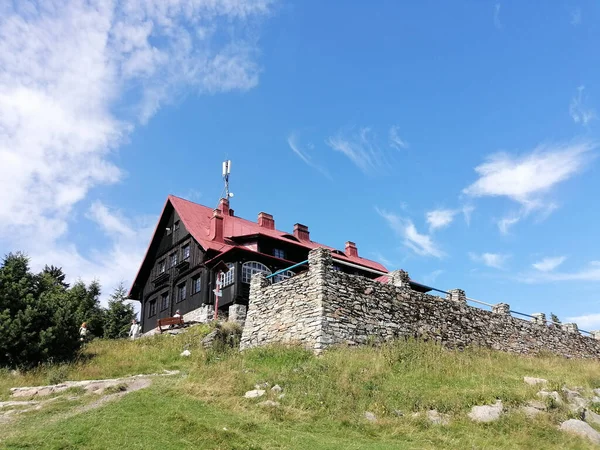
<point x="169" y="321"/>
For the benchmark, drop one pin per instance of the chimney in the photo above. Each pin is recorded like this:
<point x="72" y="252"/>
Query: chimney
<point x="266" y="221"/>
<point x="216" y="226"/>
<point x="224" y="206"/>
<point x="351" y="249"/>
<point x="301" y="232"/>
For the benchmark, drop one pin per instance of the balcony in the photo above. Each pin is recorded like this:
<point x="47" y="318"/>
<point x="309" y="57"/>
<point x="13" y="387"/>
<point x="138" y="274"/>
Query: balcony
<point x="161" y="278"/>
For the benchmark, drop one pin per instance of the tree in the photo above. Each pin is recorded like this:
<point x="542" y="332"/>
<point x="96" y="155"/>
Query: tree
<point x="57" y="274"/>
<point x="119" y="314"/>
<point x="554" y="318"/>
<point x="86" y="300"/>
<point x="37" y="320"/>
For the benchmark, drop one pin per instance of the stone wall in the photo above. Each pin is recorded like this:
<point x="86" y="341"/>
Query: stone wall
<point x="324" y="307"/>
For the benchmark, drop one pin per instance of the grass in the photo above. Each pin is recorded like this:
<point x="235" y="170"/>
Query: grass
<point x="324" y="403"/>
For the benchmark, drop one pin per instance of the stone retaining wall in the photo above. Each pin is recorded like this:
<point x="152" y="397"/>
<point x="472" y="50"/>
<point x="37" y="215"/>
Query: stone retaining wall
<point x="324" y="307"/>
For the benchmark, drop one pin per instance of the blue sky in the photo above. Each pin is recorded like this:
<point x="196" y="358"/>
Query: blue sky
<point x="457" y="140"/>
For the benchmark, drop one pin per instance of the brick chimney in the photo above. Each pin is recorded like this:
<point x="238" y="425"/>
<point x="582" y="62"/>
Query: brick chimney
<point x="224" y="206"/>
<point x="351" y="249"/>
<point x="216" y="226"/>
<point x="266" y="221"/>
<point x="301" y="232"/>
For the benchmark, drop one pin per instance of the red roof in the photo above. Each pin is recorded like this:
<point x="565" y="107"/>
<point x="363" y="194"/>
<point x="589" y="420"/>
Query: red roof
<point x="196" y="219"/>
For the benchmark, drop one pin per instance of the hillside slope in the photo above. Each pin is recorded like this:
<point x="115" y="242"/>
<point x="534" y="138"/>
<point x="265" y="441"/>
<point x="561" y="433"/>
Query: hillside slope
<point x="323" y="407"/>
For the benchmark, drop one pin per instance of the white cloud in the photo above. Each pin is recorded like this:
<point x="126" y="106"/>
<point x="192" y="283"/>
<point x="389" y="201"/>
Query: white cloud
<point x="528" y="179"/>
<point x="580" y="113"/>
<point x="395" y="140"/>
<point x="432" y="276"/>
<point x="467" y="211"/>
<point x="586" y="322"/>
<point x="589" y="273"/>
<point x="576" y="16"/>
<point x="421" y="244"/>
<point x="76" y="76"/>
<point x="362" y="149"/>
<point x="494" y="260"/>
<point x="497" y="23"/>
<point x="440" y="218"/>
<point x="304" y="156"/>
<point x="549" y="264"/>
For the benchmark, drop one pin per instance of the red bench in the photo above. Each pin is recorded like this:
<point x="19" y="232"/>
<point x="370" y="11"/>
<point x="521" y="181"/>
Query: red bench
<point x="170" y="321"/>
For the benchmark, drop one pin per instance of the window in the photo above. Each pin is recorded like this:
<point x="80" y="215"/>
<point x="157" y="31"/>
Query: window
<point x="181" y="292"/>
<point x="176" y="226"/>
<point x="278" y="253"/>
<point x="173" y="259"/>
<point x="229" y="276"/>
<point x="196" y="284"/>
<point x="337" y="268"/>
<point x="164" y="301"/>
<point x="185" y="252"/>
<point x="283" y="276"/>
<point x="151" y="308"/>
<point x="252" y="267"/>
<point x="162" y="266"/>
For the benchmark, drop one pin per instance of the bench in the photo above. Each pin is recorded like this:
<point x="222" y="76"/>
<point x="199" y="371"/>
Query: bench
<point x="169" y="321"/>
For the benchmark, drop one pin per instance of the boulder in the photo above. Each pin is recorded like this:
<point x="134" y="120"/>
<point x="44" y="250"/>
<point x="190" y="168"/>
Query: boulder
<point x="580" y="428"/>
<point x="537" y="405"/>
<point x="533" y="381"/>
<point x="276" y="388"/>
<point x="486" y="413"/>
<point x="254" y="393"/>
<point x="371" y="417"/>
<point x="185" y="353"/>
<point x="437" y="418"/>
<point x="591" y="417"/>
<point x="530" y="411"/>
<point x="555" y="396"/>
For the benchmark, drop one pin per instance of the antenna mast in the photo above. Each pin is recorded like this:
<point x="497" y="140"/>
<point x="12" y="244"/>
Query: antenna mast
<point x="226" y="172"/>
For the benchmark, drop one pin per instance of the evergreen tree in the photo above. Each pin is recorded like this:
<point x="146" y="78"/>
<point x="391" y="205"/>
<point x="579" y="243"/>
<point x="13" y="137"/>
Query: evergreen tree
<point x="554" y="318"/>
<point x="86" y="300"/>
<point x="57" y="274"/>
<point x="119" y="314"/>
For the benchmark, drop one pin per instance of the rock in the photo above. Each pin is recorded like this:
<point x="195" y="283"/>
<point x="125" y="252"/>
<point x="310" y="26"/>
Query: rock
<point x="537" y="405"/>
<point x="208" y="340"/>
<point x="185" y="353"/>
<point x="17" y="403"/>
<point x="397" y="413"/>
<point x="530" y="411"/>
<point x="269" y="403"/>
<point x="555" y="396"/>
<point x="533" y="381"/>
<point x="596" y="391"/>
<point x="261" y="385"/>
<point x="280" y="396"/>
<point x="486" y="413"/>
<point x="580" y="428"/>
<point x="276" y="388"/>
<point x="254" y="393"/>
<point x="591" y="417"/>
<point x="437" y="418"/>
<point x="370" y="416"/>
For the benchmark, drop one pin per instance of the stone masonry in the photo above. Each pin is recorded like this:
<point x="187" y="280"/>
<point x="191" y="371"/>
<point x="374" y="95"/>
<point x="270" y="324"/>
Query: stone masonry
<point x="323" y="307"/>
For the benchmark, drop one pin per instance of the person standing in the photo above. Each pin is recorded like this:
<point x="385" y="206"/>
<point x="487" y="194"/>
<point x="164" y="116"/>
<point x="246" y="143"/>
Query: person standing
<point x="83" y="332"/>
<point x="134" y="331"/>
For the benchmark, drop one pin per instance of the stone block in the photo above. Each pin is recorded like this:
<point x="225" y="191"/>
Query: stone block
<point x="539" y="318"/>
<point x="501" y="308"/>
<point x="237" y="313"/>
<point x="457" y="295"/>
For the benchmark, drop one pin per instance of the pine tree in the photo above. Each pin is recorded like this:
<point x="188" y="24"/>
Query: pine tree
<point x="119" y="314"/>
<point x="554" y="318"/>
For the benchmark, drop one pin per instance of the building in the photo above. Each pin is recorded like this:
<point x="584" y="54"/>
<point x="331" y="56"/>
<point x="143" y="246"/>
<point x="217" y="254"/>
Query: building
<point x="193" y="244"/>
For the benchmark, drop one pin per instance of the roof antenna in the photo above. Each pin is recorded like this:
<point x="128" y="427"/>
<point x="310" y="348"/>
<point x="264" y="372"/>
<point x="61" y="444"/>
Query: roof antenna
<point x="226" y="172"/>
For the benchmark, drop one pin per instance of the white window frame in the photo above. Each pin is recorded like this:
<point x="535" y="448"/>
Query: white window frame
<point x="283" y="276"/>
<point x="185" y="249"/>
<point x="196" y="284"/>
<point x="229" y="276"/>
<point x="251" y="267"/>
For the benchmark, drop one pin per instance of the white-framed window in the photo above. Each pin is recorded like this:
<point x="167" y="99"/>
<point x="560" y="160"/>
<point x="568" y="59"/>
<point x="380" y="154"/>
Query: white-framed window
<point x="283" y="276"/>
<point x="196" y="284"/>
<point x="229" y="276"/>
<point x="164" y="301"/>
<point x="181" y="292"/>
<point x="173" y="259"/>
<point x="185" y="252"/>
<point x="162" y="266"/>
<point x="279" y="253"/>
<point x="252" y="267"/>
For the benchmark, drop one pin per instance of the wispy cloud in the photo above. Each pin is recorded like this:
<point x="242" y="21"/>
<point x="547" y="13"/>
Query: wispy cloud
<point x="467" y="211"/>
<point x="431" y="277"/>
<point x="576" y="16"/>
<point x="591" y="272"/>
<point x="395" y="140"/>
<point x="580" y="113"/>
<point x="494" y="260"/>
<point x="549" y="264"/>
<point x="440" y="218"/>
<point x="497" y="23"/>
<point x="294" y="144"/>
<point x="362" y="149"/>
<point x="65" y="70"/>
<point x="421" y="244"/>
<point x="585" y="322"/>
<point x="528" y="179"/>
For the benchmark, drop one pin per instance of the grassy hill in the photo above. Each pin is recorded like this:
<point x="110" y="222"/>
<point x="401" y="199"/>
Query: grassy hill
<point x="323" y="407"/>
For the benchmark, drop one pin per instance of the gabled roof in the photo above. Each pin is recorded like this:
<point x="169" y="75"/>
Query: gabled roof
<point x="196" y="219"/>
